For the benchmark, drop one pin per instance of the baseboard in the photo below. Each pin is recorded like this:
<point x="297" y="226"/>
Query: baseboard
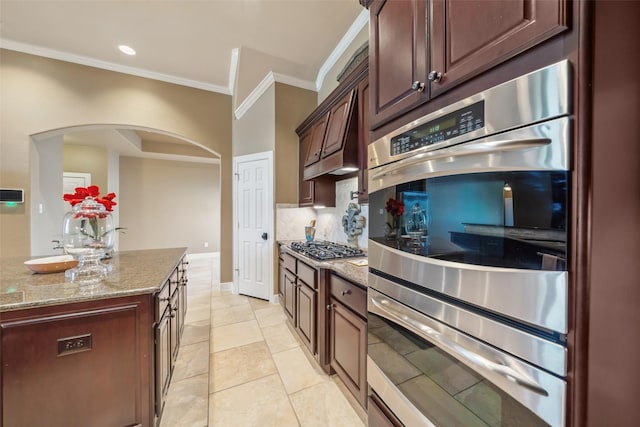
<point x="203" y="255"/>
<point x="227" y="286"/>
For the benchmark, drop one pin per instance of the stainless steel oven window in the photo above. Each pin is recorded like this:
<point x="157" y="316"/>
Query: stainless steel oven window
<point x="431" y="374"/>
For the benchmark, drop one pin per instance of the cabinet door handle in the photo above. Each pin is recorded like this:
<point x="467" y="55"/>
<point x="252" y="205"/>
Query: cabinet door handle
<point x="347" y="292"/>
<point x="418" y="86"/>
<point x="434" y="76"/>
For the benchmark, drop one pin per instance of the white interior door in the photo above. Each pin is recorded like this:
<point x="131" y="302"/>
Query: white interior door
<point x="72" y="180"/>
<point x="254" y="219"/>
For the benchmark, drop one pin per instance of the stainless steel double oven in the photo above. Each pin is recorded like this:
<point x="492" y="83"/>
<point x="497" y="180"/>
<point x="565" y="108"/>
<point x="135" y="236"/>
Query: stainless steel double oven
<point x="468" y="230"/>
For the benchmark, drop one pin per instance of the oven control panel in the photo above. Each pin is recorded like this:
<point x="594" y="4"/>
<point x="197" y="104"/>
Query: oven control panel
<point x="449" y="126"/>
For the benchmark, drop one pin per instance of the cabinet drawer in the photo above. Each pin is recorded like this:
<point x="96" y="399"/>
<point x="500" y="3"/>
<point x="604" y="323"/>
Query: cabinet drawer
<point x="173" y="281"/>
<point x="349" y="294"/>
<point x="162" y="300"/>
<point x="307" y="275"/>
<point x="289" y="262"/>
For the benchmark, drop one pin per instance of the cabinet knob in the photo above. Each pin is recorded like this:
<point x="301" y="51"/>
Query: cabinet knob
<point x="347" y="292"/>
<point x="434" y="76"/>
<point x="329" y="307"/>
<point x="417" y="85"/>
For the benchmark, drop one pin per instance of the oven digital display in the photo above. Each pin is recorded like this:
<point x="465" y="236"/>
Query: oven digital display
<point x="454" y="124"/>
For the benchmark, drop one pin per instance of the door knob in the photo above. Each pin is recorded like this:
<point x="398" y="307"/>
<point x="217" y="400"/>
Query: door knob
<point x="264" y="236"/>
<point x="434" y="76"/>
<point x="418" y="86"/>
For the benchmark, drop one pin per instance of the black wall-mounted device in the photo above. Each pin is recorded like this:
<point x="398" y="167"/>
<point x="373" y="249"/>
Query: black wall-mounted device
<point x="11" y="195"/>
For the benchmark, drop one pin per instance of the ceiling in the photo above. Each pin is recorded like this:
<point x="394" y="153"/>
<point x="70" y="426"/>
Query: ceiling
<point x="187" y="42"/>
<point x="191" y="43"/>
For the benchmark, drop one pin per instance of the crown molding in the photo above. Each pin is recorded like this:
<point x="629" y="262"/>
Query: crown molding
<point x="343" y="45"/>
<point x="91" y="62"/>
<point x="233" y="69"/>
<point x="271" y="77"/>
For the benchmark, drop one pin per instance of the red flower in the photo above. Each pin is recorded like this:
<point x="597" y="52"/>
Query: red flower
<point x="395" y="207"/>
<point x="91" y="191"/>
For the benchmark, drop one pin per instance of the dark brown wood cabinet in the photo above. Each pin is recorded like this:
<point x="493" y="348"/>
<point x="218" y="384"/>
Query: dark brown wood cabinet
<point x="422" y="48"/>
<point x="170" y="313"/>
<point x="348" y="335"/>
<point x="397" y="58"/>
<point x="467" y="38"/>
<point x="306" y="314"/>
<point x="319" y="191"/>
<point x="300" y="284"/>
<point x="363" y="140"/>
<point x="288" y="286"/>
<point x="339" y="117"/>
<point x="330" y="141"/>
<point x="290" y="296"/>
<point x="79" y="364"/>
<point x="313" y="148"/>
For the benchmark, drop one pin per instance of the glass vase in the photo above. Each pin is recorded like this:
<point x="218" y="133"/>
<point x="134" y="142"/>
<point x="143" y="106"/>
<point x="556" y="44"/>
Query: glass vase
<point x="88" y="233"/>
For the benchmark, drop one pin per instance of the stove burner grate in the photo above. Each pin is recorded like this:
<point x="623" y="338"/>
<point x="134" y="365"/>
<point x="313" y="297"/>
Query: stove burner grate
<point x="323" y="251"/>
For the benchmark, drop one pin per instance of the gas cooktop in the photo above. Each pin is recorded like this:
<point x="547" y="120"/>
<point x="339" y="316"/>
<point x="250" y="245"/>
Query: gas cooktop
<point x="325" y="251"/>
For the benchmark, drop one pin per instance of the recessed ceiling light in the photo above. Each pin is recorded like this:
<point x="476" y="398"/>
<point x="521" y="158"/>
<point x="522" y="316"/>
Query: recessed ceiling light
<point x="126" y="49"/>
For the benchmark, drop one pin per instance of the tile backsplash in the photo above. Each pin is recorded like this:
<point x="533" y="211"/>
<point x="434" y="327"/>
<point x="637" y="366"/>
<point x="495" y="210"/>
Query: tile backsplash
<point x="291" y="220"/>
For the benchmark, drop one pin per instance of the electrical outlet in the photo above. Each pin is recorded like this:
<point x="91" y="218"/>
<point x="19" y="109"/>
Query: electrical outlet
<point x="206" y="244"/>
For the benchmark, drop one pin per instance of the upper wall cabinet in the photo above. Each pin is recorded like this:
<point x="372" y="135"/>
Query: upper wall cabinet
<point x="419" y="49"/>
<point x="316" y="134"/>
<point x="317" y="192"/>
<point x="339" y="118"/>
<point x="470" y="37"/>
<point x="333" y="138"/>
<point x="397" y="58"/>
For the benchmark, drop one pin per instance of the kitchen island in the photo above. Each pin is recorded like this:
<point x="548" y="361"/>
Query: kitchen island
<point x="99" y="355"/>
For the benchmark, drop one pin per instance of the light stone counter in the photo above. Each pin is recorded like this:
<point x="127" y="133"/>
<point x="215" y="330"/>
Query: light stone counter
<point x="344" y="267"/>
<point x="132" y="273"/>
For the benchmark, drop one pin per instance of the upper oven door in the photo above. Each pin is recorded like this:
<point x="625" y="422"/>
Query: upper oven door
<point x="485" y="222"/>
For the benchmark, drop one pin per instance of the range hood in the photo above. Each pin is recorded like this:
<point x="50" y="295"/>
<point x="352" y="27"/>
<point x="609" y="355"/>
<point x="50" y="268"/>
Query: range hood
<point x="333" y="149"/>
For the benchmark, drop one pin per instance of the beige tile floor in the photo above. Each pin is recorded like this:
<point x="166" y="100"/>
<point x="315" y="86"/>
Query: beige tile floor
<point x="240" y="364"/>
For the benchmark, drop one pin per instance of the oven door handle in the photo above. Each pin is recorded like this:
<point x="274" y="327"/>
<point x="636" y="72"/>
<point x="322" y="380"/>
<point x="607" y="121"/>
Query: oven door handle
<point x="480" y="147"/>
<point x="487" y="360"/>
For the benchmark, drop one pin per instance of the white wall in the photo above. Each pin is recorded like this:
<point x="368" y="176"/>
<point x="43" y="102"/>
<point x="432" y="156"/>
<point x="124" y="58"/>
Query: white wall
<point x="47" y="206"/>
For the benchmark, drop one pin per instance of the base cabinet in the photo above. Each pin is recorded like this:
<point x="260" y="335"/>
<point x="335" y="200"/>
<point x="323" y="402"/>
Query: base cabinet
<point x="299" y="283"/>
<point x="83" y="364"/>
<point x="348" y="335"/>
<point x="170" y="313"/>
<point x="290" y="295"/>
<point x="306" y="315"/>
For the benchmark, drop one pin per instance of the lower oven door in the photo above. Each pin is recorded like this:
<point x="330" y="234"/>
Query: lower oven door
<point x="428" y="373"/>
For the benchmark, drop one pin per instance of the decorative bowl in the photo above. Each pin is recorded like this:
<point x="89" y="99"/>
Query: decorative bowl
<point x="52" y="264"/>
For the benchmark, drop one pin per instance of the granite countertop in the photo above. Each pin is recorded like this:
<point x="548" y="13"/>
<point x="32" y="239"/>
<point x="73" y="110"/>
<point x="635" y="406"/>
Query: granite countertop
<point x="347" y="268"/>
<point x="132" y="273"/>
